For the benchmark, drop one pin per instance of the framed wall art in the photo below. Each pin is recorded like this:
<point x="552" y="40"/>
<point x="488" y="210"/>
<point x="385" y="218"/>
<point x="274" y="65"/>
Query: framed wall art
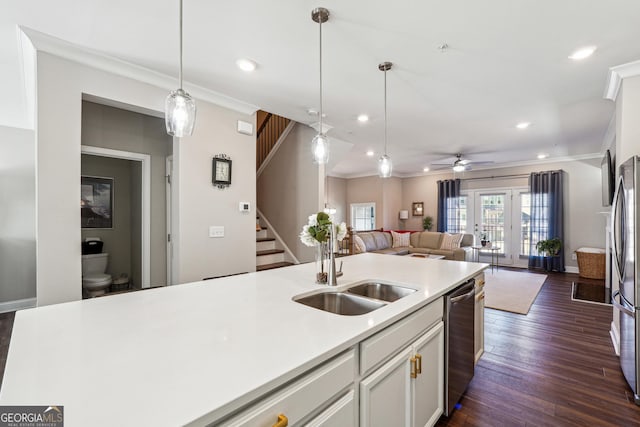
<point x="221" y="171"/>
<point x="96" y="202"/>
<point x="418" y="208"/>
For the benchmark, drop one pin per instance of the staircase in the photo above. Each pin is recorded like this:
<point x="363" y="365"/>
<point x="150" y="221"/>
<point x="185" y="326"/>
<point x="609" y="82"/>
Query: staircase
<point x="268" y="256"/>
<point x="270" y="128"/>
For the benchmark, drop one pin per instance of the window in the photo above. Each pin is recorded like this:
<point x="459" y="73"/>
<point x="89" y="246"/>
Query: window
<point x="363" y="216"/>
<point x="456" y="215"/>
<point x="492" y="218"/>
<point x="539" y="229"/>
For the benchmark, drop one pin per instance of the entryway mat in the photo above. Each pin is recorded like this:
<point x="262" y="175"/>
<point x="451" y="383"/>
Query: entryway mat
<point x="589" y="292"/>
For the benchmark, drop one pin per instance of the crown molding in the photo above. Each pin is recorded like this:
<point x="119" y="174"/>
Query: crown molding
<point x="616" y="75"/>
<point x="82" y="55"/>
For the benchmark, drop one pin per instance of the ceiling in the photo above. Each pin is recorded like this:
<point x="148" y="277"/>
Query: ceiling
<point x="507" y="62"/>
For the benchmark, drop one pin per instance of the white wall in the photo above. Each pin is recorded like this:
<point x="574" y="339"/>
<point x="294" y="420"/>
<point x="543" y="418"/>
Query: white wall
<point x="17" y="214"/>
<point x="290" y="189"/>
<point x="60" y="85"/>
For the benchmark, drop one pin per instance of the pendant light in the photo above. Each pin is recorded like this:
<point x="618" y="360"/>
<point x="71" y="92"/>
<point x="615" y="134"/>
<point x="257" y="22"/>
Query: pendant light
<point x="320" y="143"/>
<point x="385" y="166"/>
<point x="180" y="108"/>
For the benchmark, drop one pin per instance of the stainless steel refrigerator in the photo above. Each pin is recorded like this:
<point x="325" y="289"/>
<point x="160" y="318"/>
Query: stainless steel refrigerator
<point x="625" y="219"/>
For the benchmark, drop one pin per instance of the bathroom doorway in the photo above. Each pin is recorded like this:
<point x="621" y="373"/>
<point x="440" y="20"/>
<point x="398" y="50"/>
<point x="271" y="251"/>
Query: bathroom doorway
<point x="131" y="149"/>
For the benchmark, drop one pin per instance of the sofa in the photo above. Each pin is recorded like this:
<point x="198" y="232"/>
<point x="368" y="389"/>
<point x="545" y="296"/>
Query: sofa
<point x="420" y="242"/>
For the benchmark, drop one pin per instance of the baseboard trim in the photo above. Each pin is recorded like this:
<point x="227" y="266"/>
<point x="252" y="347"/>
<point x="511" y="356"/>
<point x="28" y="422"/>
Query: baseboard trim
<point x="571" y="269"/>
<point x="615" y="338"/>
<point x="16" y="305"/>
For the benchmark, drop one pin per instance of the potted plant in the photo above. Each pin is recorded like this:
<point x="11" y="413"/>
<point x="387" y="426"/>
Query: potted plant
<point x="427" y="223"/>
<point x="484" y="239"/>
<point x="549" y="247"/>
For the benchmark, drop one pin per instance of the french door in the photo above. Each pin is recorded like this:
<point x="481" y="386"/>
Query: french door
<point x="502" y="215"/>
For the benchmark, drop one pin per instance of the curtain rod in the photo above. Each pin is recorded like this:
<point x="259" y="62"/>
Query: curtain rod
<point x="517" y="175"/>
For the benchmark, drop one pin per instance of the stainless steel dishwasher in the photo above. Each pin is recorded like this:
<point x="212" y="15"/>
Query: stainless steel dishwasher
<point x="459" y="322"/>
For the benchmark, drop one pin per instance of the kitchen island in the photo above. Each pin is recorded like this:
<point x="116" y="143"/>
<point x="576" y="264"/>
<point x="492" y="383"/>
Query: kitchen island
<point x="201" y="352"/>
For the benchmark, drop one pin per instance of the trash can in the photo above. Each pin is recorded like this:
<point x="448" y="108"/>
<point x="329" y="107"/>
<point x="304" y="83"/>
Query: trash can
<point x="120" y="283"/>
<point x="591" y="263"/>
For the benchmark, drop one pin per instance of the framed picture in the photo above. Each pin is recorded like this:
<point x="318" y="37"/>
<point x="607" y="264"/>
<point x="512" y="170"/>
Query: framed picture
<point x="418" y="208"/>
<point x="96" y="202"/>
<point x="221" y="172"/>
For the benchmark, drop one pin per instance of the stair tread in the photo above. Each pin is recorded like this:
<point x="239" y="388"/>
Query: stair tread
<point x="265" y="239"/>
<point x="270" y="252"/>
<point x="274" y="265"/>
<point x="260" y="229"/>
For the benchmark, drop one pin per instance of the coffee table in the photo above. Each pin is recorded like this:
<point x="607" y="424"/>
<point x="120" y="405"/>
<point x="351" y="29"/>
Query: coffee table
<point x="426" y="256"/>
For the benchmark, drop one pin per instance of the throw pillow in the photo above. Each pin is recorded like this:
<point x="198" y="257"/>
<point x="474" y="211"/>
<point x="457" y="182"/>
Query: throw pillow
<point x="450" y="241"/>
<point x="359" y="246"/>
<point x="400" y="240"/>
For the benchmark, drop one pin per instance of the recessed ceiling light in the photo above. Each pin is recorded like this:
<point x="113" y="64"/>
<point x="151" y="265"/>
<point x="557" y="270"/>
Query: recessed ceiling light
<point x="523" y="125"/>
<point x="425" y="170"/>
<point x="582" y="53"/>
<point x="363" y="118"/>
<point x="542" y="156"/>
<point x="370" y="153"/>
<point x="246" y="65"/>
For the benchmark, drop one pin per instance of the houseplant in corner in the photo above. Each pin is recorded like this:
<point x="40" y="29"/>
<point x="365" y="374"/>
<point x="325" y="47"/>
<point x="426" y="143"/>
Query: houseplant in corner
<point x="427" y="223"/>
<point x="316" y="233"/>
<point x="549" y="248"/>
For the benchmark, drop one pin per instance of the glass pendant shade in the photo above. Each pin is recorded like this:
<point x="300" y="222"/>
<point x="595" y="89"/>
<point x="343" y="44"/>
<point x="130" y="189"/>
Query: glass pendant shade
<point x="385" y="167"/>
<point x="459" y="168"/>
<point x="320" y="149"/>
<point x="179" y="113"/>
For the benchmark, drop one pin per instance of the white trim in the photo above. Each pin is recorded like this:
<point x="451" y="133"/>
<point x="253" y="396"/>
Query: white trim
<point x="275" y="148"/>
<point x="73" y="52"/>
<point x="616" y="75"/>
<point x="146" y="199"/>
<point x="168" y="203"/>
<point x="277" y="236"/>
<point x="571" y="269"/>
<point x="19" y="304"/>
<point x="615" y="337"/>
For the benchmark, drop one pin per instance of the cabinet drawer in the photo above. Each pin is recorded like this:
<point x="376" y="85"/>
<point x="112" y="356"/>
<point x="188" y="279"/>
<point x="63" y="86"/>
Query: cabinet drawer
<point x="390" y="340"/>
<point x="301" y="398"/>
<point x="340" y="414"/>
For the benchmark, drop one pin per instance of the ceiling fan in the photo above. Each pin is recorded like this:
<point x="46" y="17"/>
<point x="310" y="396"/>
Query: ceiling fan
<point x="460" y="164"/>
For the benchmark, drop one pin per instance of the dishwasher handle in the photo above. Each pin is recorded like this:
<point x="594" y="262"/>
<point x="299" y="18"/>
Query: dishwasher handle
<point x="468" y="295"/>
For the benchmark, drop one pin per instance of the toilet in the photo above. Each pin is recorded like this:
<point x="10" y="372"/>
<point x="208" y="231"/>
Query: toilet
<point x="94" y="280"/>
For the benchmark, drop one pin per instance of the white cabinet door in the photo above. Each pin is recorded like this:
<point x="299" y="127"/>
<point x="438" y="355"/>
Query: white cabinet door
<point x="340" y="414"/>
<point x="428" y="386"/>
<point x="385" y="395"/>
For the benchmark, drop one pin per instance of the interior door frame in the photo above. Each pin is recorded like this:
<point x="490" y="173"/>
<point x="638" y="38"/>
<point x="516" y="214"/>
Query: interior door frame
<point x="145" y="236"/>
<point x="169" y="202"/>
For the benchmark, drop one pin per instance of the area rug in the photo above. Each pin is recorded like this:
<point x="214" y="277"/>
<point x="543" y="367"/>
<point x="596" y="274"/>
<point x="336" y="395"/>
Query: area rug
<point x="590" y="292"/>
<point x="512" y="291"/>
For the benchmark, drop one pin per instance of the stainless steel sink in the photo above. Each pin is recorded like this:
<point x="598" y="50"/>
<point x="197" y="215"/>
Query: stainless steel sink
<point x="381" y="291"/>
<point x="340" y="303"/>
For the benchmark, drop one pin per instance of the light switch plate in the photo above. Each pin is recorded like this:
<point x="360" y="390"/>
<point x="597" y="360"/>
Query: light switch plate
<point x="245" y="207"/>
<point x="216" y="231"/>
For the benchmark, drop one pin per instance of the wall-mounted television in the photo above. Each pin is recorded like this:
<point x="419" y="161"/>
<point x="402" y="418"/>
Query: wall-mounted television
<point x="608" y="177"/>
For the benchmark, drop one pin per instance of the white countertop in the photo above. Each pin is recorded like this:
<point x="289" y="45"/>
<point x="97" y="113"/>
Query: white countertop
<point x="168" y="356"/>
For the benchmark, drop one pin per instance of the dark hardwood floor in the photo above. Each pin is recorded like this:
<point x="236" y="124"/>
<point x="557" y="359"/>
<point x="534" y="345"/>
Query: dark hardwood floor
<point x="553" y="367"/>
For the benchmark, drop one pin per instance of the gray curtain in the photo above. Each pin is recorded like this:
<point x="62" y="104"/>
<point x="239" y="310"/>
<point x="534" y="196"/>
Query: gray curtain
<point x="447" y="189"/>
<point x="547" y="217"/>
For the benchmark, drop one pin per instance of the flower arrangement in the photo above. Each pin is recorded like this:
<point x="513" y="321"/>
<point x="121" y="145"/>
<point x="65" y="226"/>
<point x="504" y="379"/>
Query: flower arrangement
<point x="317" y="229"/>
<point x="316" y="233"/>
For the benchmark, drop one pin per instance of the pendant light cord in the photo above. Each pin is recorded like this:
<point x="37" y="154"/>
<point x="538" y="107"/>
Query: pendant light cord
<point x="180" y="38"/>
<point x="320" y="113"/>
<point x="385" y="112"/>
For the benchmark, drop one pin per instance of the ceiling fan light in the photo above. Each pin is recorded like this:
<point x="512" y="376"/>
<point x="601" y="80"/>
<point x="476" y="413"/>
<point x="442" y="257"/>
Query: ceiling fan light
<point x="459" y="168"/>
<point x="320" y="149"/>
<point x="180" y="113"/>
<point x="385" y="166"/>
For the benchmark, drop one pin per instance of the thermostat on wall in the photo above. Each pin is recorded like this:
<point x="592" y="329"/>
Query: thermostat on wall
<point x="245" y="207"/>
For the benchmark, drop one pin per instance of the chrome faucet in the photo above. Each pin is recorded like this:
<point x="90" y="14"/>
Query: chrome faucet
<point x="332" y="279"/>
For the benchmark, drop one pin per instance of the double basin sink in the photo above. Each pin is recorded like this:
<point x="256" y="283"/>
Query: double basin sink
<point x="359" y="299"/>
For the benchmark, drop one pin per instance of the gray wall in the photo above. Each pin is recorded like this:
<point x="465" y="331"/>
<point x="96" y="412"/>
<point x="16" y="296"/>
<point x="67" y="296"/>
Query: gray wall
<point x="17" y="214"/>
<point x="117" y="129"/>
<point x="117" y="240"/>
<point x="289" y="189"/>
